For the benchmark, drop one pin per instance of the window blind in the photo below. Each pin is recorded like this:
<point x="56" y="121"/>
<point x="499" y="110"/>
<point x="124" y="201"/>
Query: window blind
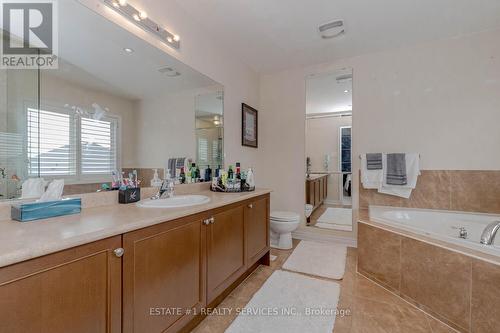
<point x="51" y="143"/>
<point x="98" y="146"/>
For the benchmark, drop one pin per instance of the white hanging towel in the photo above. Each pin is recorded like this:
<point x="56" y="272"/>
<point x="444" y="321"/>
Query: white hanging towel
<point x="412" y="173"/>
<point x="371" y="179"/>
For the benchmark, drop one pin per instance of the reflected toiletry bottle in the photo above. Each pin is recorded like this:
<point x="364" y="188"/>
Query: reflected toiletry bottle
<point x="198" y="174"/>
<point x="208" y="174"/>
<point x="192" y="171"/>
<point x="250" y="178"/>
<point x="183" y="176"/>
<point x="230" y="172"/>
<point x="238" y="170"/>
<point x="217" y="172"/>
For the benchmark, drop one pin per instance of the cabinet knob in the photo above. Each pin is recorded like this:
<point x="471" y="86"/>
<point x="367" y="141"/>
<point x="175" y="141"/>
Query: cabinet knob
<point x="119" y="252"/>
<point x="250" y="206"/>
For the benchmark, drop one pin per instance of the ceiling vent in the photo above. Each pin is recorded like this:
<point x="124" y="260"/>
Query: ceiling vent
<point x="332" y="29"/>
<point x="169" y="71"/>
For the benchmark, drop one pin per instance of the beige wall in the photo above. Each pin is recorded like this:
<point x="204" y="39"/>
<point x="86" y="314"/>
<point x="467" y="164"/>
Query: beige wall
<point x="439" y="99"/>
<point x="322" y="138"/>
<point x="165" y="129"/>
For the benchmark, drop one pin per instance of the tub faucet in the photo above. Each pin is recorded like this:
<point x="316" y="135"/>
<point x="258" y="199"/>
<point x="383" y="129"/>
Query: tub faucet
<point x="489" y="233"/>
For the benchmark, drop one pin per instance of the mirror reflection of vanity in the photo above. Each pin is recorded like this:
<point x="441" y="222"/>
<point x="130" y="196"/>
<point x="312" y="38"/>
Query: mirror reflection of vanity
<point x="115" y="103"/>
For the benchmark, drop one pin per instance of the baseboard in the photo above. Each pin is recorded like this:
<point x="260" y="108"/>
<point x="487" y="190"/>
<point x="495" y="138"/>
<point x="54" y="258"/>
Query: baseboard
<point x="304" y="234"/>
<point x="332" y="202"/>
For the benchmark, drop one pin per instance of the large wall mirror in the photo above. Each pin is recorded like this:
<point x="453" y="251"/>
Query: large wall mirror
<point x="115" y="103"/>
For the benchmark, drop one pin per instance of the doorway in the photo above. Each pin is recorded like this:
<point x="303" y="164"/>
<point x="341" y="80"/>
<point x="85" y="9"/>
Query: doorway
<point x="328" y="180"/>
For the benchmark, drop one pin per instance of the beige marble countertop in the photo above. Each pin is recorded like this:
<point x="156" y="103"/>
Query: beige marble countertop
<point x="315" y="176"/>
<point x="20" y="241"/>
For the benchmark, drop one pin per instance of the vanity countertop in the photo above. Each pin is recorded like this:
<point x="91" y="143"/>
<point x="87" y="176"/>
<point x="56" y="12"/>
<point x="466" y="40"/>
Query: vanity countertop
<point x="315" y="176"/>
<point x="21" y="241"/>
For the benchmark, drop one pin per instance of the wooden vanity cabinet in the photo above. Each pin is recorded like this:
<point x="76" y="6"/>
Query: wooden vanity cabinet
<point x="226" y="260"/>
<point x="256" y="229"/>
<point x="155" y="279"/>
<point x="75" y="290"/>
<point x="164" y="275"/>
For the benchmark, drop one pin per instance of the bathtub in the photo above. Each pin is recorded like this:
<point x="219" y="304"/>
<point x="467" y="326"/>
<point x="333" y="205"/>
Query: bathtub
<point x="440" y="225"/>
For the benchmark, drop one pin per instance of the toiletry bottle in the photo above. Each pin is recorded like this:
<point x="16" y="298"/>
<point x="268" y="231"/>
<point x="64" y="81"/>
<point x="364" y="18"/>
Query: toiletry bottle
<point x="183" y="176"/>
<point x="156" y="181"/>
<point x="188" y="176"/>
<point x="198" y="174"/>
<point x="230" y="172"/>
<point x="217" y="172"/>
<point x="238" y="170"/>
<point x="208" y="174"/>
<point x="193" y="172"/>
<point x="250" y="179"/>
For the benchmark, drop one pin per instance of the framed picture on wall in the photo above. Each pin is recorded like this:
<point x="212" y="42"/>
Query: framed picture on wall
<point x="249" y="126"/>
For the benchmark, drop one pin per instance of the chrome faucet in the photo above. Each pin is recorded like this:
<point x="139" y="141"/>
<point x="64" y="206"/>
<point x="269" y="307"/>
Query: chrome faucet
<point x="168" y="187"/>
<point x="489" y="233"/>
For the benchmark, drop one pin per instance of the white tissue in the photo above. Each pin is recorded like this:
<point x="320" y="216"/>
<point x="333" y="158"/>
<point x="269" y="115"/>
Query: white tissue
<point x="54" y="191"/>
<point x="33" y="188"/>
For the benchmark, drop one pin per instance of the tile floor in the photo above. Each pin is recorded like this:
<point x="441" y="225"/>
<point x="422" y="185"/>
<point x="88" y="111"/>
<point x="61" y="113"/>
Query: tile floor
<point x="370" y="308"/>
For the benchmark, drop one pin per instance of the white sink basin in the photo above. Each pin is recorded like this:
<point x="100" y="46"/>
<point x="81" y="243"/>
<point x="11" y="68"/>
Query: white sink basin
<point x="175" y="202"/>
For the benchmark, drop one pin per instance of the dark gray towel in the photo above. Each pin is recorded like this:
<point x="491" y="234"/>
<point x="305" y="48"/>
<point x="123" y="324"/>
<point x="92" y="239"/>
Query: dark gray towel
<point x="374" y="161"/>
<point x="171" y="166"/>
<point x="396" y="169"/>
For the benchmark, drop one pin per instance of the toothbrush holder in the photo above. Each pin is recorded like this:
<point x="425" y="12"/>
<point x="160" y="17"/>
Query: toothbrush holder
<point x="129" y="195"/>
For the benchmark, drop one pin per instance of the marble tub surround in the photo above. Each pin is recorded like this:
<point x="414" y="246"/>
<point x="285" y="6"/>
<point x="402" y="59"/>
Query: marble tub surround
<point x="460" y="290"/>
<point x="22" y="241"/>
<point x="471" y="191"/>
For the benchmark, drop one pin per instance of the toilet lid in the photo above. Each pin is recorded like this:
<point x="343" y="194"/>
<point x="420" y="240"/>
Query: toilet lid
<point x="284" y="216"/>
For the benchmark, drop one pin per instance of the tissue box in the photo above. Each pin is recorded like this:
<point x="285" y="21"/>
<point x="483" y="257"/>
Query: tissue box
<point x="41" y="210"/>
<point x="129" y="195"/>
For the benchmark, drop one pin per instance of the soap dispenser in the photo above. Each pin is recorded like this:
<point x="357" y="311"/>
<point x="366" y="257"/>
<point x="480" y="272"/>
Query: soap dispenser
<point x="156" y="181"/>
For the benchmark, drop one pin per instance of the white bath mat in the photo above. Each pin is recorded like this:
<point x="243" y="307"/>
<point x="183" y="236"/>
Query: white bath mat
<point x="284" y="304"/>
<point x="336" y="219"/>
<point x="320" y="259"/>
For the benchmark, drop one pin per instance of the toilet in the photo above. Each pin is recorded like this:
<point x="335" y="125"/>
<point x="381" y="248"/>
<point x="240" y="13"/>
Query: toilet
<point x="282" y="225"/>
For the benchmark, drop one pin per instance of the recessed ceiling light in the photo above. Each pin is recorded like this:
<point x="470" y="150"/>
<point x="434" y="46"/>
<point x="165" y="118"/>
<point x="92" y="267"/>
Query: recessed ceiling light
<point x="136" y="17"/>
<point x="177" y="38"/>
<point x="128" y="50"/>
<point x="346" y="91"/>
<point x="143" y="15"/>
<point x="332" y="29"/>
<point x="122" y="2"/>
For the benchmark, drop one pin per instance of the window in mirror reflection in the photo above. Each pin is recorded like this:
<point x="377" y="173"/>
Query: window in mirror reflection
<point x="64" y="143"/>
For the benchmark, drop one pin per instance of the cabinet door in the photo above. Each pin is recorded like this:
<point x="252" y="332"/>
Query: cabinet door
<point x="225" y="250"/>
<point x="256" y="229"/>
<point x="75" y="290"/>
<point x="163" y="275"/>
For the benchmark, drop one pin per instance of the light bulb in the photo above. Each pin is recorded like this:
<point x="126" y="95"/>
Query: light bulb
<point x="122" y="3"/>
<point x="116" y="4"/>
<point x="177" y="38"/>
<point x="136" y="17"/>
<point x="143" y="15"/>
<point x="169" y="39"/>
